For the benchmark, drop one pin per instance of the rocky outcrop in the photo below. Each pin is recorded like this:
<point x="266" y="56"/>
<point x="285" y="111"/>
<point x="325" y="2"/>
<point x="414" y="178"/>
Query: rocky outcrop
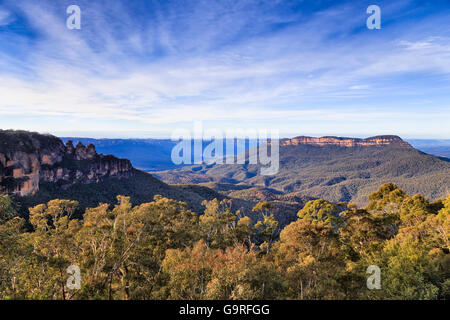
<point x="28" y="159"/>
<point x="345" y="142"/>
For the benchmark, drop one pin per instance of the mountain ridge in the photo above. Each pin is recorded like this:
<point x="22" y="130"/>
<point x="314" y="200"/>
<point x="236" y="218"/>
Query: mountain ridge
<point x="345" y="141"/>
<point x="153" y="155"/>
<point x="335" y="169"/>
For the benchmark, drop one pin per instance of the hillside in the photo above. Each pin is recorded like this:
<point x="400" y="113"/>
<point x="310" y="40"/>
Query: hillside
<point x="152" y="155"/>
<point x="336" y="169"/>
<point x="141" y="187"/>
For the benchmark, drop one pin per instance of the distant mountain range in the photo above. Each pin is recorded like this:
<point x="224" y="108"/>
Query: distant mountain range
<point x="37" y="168"/>
<point x="437" y="147"/>
<point x="333" y="168"/>
<point x="334" y="173"/>
<point x="145" y="154"/>
<point x="155" y="154"/>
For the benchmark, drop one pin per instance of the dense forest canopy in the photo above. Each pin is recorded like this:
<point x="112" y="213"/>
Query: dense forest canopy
<point x="163" y="250"/>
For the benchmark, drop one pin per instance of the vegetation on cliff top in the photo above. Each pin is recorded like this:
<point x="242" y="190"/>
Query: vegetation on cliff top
<point x="25" y="141"/>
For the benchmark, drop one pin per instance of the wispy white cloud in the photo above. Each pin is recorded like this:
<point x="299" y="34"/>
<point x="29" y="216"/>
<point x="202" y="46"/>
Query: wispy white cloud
<point x="216" y="60"/>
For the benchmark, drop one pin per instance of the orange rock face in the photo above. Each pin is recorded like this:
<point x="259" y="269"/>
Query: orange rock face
<point x="344" y="142"/>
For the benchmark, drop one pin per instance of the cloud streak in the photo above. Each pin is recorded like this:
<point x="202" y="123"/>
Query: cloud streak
<point x="171" y="62"/>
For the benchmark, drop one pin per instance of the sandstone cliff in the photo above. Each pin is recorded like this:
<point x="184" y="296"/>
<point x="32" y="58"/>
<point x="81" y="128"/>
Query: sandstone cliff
<point x="345" y="142"/>
<point x="28" y="159"/>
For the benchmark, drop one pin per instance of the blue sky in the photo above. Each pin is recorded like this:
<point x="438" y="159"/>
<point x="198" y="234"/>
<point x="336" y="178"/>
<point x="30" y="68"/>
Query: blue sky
<point x="146" y="68"/>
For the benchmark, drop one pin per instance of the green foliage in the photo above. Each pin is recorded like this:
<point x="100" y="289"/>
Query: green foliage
<point x="163" y="250"/>
<point x="319" y="211"/>
<point x="8" y="208"/>
<point x="266" y="230"/>
<point x="264" y="207"/>
<point x="308" y="255"/>
<point x="218" y="223"/>
<point x="141" y="188"/>
<point x="26" y="141"/>
<point x="409" y="272"/>
<point x="387" y="198"/>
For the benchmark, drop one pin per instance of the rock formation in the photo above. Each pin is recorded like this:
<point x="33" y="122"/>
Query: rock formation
<point x="28" y="159"/>
<point x="345" y="142"/>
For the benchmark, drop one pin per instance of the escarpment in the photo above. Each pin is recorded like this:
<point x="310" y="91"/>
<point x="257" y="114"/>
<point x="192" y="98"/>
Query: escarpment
<point x="345" y="142"/>
<point x="28" y="159"/>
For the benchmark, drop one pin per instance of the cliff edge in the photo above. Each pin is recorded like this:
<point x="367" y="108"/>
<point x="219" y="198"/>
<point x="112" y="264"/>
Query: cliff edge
<point x="345" y="142"/>
<point x="28" y="159"/>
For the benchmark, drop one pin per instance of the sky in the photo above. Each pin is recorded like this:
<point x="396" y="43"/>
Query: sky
<point x="140" y="69"/>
